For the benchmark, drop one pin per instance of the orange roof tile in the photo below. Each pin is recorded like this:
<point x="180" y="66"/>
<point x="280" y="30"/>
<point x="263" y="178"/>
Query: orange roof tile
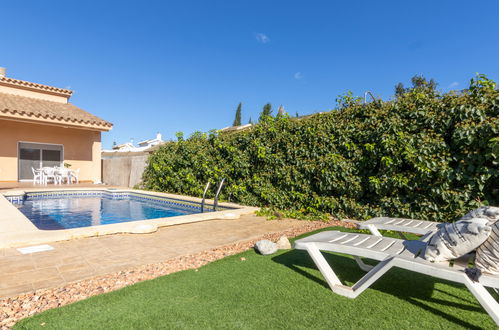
<point x="42" y="110"/>
<point x="34" y="86"/>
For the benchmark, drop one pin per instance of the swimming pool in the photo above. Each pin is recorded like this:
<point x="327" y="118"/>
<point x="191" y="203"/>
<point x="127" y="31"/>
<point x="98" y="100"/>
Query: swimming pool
<point x="66" y="210"/>
<point x="17" y="230"/>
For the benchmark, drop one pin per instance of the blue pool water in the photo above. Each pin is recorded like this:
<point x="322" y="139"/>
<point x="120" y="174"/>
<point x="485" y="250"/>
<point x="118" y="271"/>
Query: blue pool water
<point x="76" y="211"/>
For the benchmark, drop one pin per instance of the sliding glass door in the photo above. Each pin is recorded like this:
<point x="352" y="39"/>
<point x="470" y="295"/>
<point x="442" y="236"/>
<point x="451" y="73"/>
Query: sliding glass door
<point x="28" y="158"/>
<point x="37" y="155"/>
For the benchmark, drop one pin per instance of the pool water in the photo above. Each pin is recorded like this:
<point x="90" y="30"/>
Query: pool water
<point x="65" y="213"/>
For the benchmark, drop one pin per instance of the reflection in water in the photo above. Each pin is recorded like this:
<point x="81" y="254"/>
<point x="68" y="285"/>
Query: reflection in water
<point x="74" y="212"/>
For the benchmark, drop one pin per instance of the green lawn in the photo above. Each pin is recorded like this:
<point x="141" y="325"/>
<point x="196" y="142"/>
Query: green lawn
<point x="283" y="291"/>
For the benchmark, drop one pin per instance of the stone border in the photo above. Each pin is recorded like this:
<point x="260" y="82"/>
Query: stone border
<point x="16" y="230"/>
<point x="25" y="305"/>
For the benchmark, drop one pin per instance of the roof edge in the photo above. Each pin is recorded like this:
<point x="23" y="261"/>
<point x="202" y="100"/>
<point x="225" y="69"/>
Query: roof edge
<point x="56" y="122"/>
<point x="6" y="81"/>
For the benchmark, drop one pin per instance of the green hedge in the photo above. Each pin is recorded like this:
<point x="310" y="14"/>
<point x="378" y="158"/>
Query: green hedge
<point x="422" y="155"/>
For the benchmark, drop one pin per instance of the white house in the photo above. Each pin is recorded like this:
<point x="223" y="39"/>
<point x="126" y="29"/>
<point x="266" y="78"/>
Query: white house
<point x="152" y="142"/>
<point x="142" y="145"/>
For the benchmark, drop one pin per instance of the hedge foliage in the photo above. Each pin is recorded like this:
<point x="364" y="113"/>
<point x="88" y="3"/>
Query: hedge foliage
<point x="422" y="155"/>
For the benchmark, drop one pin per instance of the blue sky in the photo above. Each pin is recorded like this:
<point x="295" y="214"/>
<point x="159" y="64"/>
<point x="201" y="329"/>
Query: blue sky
<point x="167" y="66"/>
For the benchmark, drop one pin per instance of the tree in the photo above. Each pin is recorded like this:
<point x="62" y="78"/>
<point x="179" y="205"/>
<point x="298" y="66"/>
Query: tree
<point x="237" y="119"/>
<point x="266" y="112"/>
<point x="250" y="121"/>
<point x="419" y="82"/>
<point x="180" y="136"/>
<point x="280" y="111"/>
<point x="399" y="89"/>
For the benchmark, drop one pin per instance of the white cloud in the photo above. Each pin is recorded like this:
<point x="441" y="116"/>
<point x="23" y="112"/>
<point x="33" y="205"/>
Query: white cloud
<point x="262" y="38"/>
<point x="298" y="75"/>
<point x="453" y="85"/>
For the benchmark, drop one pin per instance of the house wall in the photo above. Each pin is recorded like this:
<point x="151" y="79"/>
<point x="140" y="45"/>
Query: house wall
<point x="82" y="148"/>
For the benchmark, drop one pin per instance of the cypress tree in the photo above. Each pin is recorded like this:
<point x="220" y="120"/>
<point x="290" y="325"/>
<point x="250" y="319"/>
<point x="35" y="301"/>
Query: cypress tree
<point x="280" y="111"/>
<point x="237" y="119"/>
<point x="266" y="112"/>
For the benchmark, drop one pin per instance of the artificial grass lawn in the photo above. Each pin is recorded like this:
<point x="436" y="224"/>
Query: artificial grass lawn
<point x="272" y="292"/>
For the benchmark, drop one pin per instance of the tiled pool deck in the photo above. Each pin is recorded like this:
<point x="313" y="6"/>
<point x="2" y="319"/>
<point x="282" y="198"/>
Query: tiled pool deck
<point x="88" y="257"/>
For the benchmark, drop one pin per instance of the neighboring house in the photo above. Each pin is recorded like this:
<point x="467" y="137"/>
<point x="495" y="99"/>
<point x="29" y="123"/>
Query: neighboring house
<point x="129" y="147"/>
<point x="152" y="142"/>
<point x="235" y="128"/>
<point x="124" y="147"/>
<point x="39" y="127"/>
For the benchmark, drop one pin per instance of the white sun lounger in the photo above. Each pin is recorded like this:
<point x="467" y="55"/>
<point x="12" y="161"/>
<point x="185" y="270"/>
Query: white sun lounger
<point x="414" y="226"/>
<point x="392" y="252"/>
<point x="400" y="225"/>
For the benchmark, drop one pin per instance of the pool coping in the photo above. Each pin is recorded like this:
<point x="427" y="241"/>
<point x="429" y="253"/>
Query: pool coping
<point x="17" y="230"/>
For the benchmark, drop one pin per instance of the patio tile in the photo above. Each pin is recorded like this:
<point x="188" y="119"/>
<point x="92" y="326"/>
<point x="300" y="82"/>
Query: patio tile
<point x="30" y="276"/>
<point x="76" y="266"/>
<point x="94" y="251"/>
<point x="11" y="266"/>
<point x="48" y="261"/>
<point x="57" y="252"/>
<point x="48" y="283"/>
<point x="108" y="260"/>
<point x="116" y="267"/>
<point x="9" y="252"/>
<point x="149" y="258"/>
<point x="15" y="290"/>
<point x="78" y="274"/>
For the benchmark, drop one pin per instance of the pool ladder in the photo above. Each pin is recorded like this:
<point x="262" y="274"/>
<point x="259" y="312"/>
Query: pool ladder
<point x="215" y="204"/>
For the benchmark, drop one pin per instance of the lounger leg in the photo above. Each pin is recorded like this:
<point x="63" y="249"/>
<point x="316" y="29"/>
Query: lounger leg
<point x="335" y="283"/>
<point x="373" y="230"/>
<point x="372" y="276"/>
<point x="365" y="267"/>
<point x="484" y="298"/>
<point x="402" y="235"/>
<point x="323" y="266"/>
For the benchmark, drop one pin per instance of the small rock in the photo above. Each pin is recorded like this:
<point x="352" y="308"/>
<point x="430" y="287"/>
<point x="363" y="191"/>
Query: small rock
<point x="266" y="247"/>
<point x="243" y="259"/>
<point x="283" y="243"/>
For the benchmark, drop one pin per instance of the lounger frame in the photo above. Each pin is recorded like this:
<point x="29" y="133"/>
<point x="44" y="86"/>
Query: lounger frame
<point x="392" y="252"/>
<point x="414" y="226"/>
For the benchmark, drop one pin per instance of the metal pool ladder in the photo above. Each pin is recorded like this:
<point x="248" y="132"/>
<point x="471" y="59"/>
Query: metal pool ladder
<point x="215" y="204"/>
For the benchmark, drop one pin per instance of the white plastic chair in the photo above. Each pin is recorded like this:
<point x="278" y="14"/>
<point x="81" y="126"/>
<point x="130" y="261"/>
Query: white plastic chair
<point x="63" y="174"/>
<point x="49" y="173"/>
<point x="37" y="176"/>
<point x="74" y="174"/>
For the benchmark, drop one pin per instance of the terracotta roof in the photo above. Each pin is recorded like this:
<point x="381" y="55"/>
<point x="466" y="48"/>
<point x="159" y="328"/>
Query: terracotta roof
<point x="34" y="86"/>
<point x="42" y="110"/>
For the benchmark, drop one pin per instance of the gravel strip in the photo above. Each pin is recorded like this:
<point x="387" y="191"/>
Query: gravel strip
<point x="16" y="308"/>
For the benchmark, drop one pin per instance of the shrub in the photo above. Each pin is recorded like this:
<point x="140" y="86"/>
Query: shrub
<point x="423" y="155"/>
